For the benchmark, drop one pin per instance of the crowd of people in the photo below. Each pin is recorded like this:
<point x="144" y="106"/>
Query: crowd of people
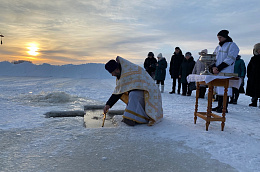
<point x="228" y="61"/>
<point x="140" y="87"/>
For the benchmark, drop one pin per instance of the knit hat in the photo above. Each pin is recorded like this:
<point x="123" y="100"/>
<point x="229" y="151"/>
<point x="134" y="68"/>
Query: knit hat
<point x="150" y="54"/>
<point x="160" y="55"/>
<point x="256" y="48"/>
<point x="111" y="65"/>
<point x="188" y="54"/>
<point x="223" y="33"/>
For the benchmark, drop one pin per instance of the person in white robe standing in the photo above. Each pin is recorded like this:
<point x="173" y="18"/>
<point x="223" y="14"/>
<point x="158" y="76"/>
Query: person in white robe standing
<point x="226" y="53"/>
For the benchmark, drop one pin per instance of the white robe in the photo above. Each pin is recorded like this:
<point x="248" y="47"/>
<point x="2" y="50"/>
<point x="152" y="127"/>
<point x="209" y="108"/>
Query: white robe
<point x="226" y="53"/>
<point x="133" y="77"/>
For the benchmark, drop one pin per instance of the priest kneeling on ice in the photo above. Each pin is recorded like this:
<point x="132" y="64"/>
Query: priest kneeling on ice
<point x="136" y="88"/>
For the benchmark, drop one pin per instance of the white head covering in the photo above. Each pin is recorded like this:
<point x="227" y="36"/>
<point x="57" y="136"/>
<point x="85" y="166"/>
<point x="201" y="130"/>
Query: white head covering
<point x="205" y="51"/>
<point x="160" y="55"/>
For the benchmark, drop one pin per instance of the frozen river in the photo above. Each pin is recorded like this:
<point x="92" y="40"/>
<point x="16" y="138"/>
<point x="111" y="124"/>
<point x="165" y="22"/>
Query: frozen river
<point x="31" y="142"/>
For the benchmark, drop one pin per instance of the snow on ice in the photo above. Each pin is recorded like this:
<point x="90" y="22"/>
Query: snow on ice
<point x="31" y="142"/>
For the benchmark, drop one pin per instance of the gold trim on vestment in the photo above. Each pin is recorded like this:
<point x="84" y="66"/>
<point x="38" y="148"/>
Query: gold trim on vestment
<point x="136" y="114"/>
<point x="139" y="71"/>
<point x="135" y="120"/>
<point x="129" y="82"/>
<point x="134" y="77"/>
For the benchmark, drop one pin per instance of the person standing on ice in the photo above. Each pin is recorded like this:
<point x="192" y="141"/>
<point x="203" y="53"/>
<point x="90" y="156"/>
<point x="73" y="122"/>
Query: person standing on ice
<point x="253" y="74"/>
<point x="185" y="69"/>
<point x="198" y="68"/>
<point x="136" y="88"/>
<point x="175" y="63"/>
<point x="240" y="69"/>
<point x="150" y="64"/>
<point x="226" y="53"/>
<point x="160" y="71"/>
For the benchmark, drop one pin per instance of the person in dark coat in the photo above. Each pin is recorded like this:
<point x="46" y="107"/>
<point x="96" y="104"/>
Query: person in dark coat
<point x="253" y="74"/>
<point x="185" y="69"/>
<point x="150" y="64"/>
<point x="240" y="69"/>
<point x="175" y="64"/>
<point x="160" y="71"/>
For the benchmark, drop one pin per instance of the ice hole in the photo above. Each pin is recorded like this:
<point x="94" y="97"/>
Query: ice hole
<point x="94" y="118"/>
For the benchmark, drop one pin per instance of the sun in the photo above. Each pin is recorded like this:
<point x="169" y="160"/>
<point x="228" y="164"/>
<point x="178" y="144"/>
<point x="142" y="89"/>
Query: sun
<point x="33" y="48"/>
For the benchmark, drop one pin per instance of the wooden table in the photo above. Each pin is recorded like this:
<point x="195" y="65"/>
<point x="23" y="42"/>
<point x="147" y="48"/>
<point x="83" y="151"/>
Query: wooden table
<point x="209" y="116"/>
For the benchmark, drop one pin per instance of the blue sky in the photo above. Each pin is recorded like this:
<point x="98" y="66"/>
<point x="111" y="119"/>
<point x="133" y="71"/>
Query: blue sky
<point x="95" y="31"/>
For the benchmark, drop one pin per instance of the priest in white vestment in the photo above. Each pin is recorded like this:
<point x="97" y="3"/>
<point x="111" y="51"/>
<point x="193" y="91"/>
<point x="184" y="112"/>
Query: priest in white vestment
<point x="136" y="88"/>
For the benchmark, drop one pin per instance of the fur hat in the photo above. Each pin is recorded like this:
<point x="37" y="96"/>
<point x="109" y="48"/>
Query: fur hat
<point x="223" y="33"/>
<point x="256" y="48"/>
<point x="160" y="55"/>
<point x="111" y="65"/>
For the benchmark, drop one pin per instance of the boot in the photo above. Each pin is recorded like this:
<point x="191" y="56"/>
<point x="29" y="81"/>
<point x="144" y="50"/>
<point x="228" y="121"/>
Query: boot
<point x="220" y="110"/>
<point x="179" y="88"/>
<point x="189" y="92"/>
<point x="231" y="100"/>
<point x="184" y="89"/>
<point x="173" y="86"/>
<point x="162" y="88"/>
<point x="202" y="92"/>
<point x="220" y="101"/>
<point x="216" y="99"/>
<point x="173" y="91"/>
<point x="232" y="96"/>
<point x="254" y="102"/>
<point x="236" y="95"/>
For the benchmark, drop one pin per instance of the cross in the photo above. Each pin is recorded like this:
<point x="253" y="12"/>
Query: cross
<point x="1" y="38"/>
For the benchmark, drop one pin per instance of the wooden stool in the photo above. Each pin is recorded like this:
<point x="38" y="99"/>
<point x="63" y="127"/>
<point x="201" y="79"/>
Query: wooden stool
<point x="209" y="116"/>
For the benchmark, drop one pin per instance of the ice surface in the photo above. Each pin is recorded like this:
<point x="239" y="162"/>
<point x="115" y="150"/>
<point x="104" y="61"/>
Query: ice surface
<point x="31" y="142"/>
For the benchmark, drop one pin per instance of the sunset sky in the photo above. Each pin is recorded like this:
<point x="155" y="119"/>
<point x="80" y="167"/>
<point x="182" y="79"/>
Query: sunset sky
<point x="95" y="31"/>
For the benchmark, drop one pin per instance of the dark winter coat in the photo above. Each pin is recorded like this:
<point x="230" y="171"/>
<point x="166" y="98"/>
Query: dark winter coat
<point x="160" y="71"/>
<point x="175" y="64"/>
<point x="186" y="68"/>
<point x="150" y="65"/>
<point x="240" y="67"/>
<point x="253" y="74"/>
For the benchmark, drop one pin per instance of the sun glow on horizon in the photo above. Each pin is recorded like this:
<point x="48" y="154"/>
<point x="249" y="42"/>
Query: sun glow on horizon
<point x="33" y="48"/>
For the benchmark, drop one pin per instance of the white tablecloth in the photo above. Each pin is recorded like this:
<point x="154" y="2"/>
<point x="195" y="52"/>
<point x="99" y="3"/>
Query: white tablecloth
<point x="209" y="78"/>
